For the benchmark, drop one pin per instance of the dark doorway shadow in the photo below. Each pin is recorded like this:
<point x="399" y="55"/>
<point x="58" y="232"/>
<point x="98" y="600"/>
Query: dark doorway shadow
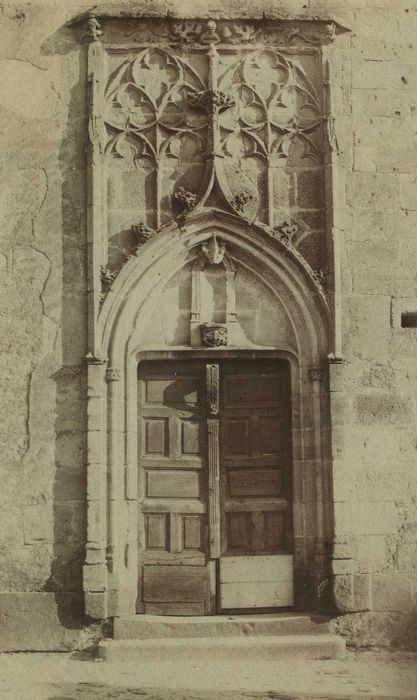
<point x="69" y="488"/>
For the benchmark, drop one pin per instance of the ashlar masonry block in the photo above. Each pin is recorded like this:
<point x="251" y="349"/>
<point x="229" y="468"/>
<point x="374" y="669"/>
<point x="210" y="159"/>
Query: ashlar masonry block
<point x="372" y="190"/>
<point x="343" y="592"/>
<point x="376" y="74"/>
<point x="388" y="409"/>
<point x="38" y="523"/>
<point x="408" y="191"/>
<point x="362" y="592"/>
<point x="95" y="577"/>
<point x="373" y="518"/>
<point x="392" y="592"/>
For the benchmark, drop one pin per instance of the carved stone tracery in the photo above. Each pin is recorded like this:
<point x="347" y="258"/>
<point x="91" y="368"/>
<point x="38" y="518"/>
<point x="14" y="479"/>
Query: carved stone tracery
<point x="209" y="126"/>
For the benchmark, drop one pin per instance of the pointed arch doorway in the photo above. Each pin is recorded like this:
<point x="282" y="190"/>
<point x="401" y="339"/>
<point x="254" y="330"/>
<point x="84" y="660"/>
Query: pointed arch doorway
<point x="215" y="494"/>
<point x="266" y="340"/>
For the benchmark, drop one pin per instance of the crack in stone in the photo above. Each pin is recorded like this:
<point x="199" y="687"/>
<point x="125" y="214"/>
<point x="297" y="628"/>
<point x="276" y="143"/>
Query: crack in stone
<point x="58" y="100"/>
<point x="46" y="189"/>
<point x="44" y="285"/>
<point x="26" y="60"/>
<point x="27" y="441"/>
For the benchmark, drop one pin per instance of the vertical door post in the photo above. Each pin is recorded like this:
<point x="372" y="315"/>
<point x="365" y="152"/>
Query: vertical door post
<point x="212" y="389"/>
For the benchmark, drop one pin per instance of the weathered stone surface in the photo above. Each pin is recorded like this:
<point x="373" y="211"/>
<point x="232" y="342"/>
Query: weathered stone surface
<point x="393" y="592"/>
<point x="362" y="593"/>
<point x="43" y="320"/>
<point x="363" y="337"/>
<point x="375" y="518"/>
<point x="367" y="629"/>
<point x="372" y="191"/>
<point x="44" y="622"/>
<point x="383" y="409"/>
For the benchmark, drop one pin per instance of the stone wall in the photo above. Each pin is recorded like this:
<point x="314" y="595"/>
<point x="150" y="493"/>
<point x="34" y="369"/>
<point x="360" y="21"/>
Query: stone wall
<point x="43" y="337"/>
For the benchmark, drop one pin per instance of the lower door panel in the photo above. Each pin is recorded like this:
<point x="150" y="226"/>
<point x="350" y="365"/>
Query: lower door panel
<point x="256" y="582"/>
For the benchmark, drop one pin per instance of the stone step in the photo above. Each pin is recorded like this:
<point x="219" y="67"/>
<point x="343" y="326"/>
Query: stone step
<point x="163" y="627"/>
<point x="206" y="650"/>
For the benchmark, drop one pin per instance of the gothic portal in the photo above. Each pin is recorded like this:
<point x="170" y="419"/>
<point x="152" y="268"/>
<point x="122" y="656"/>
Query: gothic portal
<point x="213" y="311"/>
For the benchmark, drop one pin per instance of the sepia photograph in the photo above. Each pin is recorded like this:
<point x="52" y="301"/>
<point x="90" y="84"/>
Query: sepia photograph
<point x="208" y="346"/>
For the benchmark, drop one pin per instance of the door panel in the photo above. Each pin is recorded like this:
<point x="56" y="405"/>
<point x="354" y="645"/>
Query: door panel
<point x="256" y="582"/>
<point x="215" y="485"/>
<point x="255" y="448"/>
<point x="173" y="460"/>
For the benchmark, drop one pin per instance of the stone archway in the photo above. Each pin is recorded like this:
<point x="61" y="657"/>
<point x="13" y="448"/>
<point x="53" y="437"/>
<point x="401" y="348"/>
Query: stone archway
<point x="293" y="325"/>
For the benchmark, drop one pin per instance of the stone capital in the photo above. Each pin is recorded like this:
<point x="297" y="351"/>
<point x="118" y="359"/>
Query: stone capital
<point x="316" y="374"/>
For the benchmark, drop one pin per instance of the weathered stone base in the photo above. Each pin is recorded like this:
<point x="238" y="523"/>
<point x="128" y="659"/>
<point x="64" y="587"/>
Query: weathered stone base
<point x="370" y="629"/>
<point x="45" y="622"/>
<point x="53" y="622"/>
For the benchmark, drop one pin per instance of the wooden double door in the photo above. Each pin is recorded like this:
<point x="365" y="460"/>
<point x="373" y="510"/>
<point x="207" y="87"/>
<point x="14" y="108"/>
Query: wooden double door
<point x="215" y="521"/>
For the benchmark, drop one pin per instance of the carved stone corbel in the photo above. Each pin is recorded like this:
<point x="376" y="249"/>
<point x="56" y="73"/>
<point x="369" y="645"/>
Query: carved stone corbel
<point x="112" y="374"/>
<point x="95" y="359"/>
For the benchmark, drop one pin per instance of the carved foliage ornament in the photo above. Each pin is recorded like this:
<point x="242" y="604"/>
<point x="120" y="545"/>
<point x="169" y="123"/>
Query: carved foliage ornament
<point x="107" y="278"/>
<point x="143" y="234"/>
<point x="214" y="334"/>
<point x="231" y="32"/>
<point x="187" y="200"/>
<point x="286" y="233"/>
<point x="211" y="100"/>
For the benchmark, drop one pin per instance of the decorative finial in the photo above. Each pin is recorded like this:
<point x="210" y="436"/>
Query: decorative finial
<point x="93" y="28"/>
<point x="210" y="36"/>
